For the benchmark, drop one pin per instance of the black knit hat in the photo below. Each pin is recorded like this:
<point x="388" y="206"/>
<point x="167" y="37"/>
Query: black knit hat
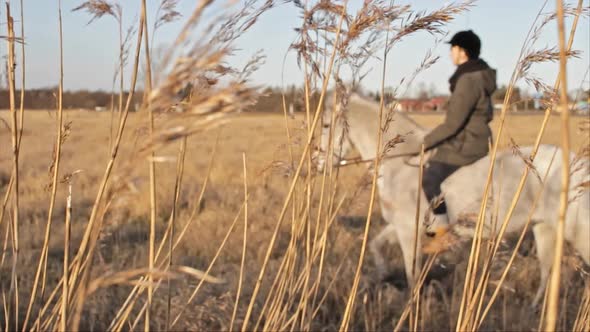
<point x="468" y="41"/>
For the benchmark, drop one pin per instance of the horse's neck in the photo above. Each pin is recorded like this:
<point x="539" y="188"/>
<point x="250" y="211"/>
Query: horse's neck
<point x="363" y="121"/>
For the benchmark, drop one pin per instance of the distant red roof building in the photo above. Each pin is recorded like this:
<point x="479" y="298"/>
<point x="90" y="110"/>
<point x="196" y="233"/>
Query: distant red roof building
<point x="418" y="105"/>
<point x="436" y="103"/>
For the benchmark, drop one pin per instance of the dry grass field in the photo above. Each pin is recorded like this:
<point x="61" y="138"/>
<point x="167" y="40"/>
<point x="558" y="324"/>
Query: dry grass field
<point x="261" y="137"/>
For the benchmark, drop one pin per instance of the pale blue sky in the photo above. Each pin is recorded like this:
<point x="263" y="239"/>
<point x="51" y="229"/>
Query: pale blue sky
<point x="90" y="51"/>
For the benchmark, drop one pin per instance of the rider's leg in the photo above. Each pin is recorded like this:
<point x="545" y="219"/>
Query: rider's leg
<point x="434" y="174"/>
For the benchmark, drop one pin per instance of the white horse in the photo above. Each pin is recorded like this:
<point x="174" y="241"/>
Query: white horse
<point x="355" y="126"/>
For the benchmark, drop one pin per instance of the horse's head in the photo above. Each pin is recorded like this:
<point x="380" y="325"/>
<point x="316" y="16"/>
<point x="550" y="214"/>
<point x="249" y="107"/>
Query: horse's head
<point x="334" y="141"/>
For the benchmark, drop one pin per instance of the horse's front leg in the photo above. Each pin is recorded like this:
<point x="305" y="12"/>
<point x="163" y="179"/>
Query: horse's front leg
<point x="545" y="242"/>
<point x="410" y="250"/>
<point x="387" y="235"/>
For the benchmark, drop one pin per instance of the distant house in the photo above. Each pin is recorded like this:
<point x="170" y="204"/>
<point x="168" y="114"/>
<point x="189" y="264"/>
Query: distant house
<point x="436" y="103"/>
<point x="409" y="105"/>
<point x="420" y="105"/>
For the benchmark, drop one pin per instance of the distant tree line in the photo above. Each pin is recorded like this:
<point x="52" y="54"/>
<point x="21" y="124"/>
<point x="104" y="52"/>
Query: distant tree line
<point x="43" y="99"/>
<point x="271" y="99"/>
<point x="520" y="100"/>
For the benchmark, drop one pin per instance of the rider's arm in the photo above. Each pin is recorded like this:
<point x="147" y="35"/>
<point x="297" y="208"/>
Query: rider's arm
<point x="460" y="106"/>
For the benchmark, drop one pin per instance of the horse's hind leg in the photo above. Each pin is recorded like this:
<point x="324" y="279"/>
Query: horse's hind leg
<point x="544" y="241"/>
<point x="387" y="235"/>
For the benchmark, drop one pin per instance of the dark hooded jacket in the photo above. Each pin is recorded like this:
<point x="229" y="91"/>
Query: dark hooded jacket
<point x="465" y="135"/>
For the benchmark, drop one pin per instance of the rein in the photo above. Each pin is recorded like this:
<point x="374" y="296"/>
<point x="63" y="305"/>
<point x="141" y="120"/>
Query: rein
<point x="359" y="160"/>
